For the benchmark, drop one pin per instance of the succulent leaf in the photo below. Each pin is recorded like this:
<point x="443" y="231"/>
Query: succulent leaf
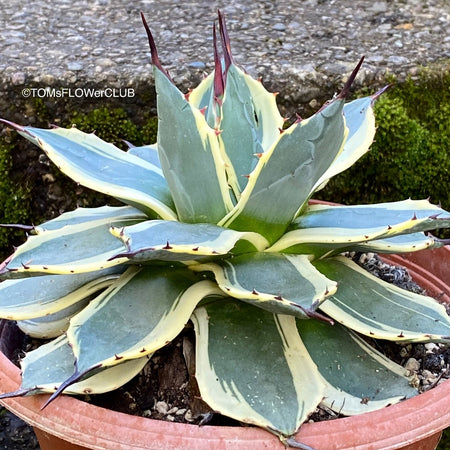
<point x="358" y="378"/>
<point x="177" y="241"/>
<point x="85" y="246"/>
<point x="54" y="324"/>
<point x="29" y="298"/>
<point x="371" y="306"/>
<point x="294" y="163"/>
<point x="360" y="120"/>
<point x="402" y="243"/>
<point x="148" y="153"/>
<point x="190" y="156"/>
<point x="158" y="301"/>
<point x="283" y="284"/>
<point x="91" y="217"/>
<point x="327" y="229"/>
<point x="45" y="368"/>
<point x="201" y="97"/>
<point x="250" y="124"/>
<point x="252" y="365"/>
<point x="101" y="166"/>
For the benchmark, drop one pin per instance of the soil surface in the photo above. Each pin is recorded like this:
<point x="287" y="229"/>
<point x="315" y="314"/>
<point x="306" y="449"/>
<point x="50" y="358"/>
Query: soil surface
<point x="166" y="388"/>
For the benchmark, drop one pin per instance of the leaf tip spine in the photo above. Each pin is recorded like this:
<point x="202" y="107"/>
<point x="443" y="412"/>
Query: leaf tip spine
<point x="153" y="50"/>
<point x="346" y="89"/>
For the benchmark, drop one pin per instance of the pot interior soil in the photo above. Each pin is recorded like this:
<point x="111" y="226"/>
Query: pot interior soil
<point x="166" y="388"/>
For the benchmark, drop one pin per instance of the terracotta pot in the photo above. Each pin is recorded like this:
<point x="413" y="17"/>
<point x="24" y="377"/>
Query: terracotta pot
<point x="413" y="424"/>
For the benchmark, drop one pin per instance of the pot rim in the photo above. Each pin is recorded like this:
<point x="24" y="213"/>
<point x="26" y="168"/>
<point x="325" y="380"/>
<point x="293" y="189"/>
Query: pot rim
<point x="67" y="417"/>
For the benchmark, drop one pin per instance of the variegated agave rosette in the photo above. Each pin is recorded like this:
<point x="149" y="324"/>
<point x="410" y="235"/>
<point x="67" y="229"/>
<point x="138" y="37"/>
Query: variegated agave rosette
<point x="218" y="229"/>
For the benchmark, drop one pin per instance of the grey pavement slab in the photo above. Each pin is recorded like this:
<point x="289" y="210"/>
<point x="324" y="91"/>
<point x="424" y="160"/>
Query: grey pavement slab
<point x="298" y="47"/>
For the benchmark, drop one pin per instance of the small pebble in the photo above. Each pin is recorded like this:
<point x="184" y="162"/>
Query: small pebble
<point x="198" y="65"/>
<point x="412" y="366"/>
<point x="431" y="347"/>
<point x="428" y="377"/>
<point x="188" y="416"/>
<point x="74" y="66"/>
<point x="162" y="407"/>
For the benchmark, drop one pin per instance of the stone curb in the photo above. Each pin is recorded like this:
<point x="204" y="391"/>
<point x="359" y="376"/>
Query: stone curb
<point x="304" y="50"/>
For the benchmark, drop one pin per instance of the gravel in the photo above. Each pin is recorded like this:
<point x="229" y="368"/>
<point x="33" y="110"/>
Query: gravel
<point x="299" y="48"/>
<point x="16" y="434"/>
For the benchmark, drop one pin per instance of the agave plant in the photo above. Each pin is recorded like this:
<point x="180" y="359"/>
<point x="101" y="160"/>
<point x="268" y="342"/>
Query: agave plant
<point x="218" y="228"/>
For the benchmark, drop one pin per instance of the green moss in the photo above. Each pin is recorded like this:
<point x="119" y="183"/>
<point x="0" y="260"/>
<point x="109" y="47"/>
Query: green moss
<point x="150" y="130"/>
<point x="14" y="199"/>
<point x="110" y="125"/>
<point x="444" y="443"/>
<point x="41" y="111"/>
<point x="410" y="156"/>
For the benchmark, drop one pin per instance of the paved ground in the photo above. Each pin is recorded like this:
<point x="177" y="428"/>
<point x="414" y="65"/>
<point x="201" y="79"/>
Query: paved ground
<point x="298" y="47"/>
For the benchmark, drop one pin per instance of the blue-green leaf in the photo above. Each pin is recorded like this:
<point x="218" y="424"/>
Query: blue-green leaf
<point x="28" y="298"/>
<point x="101" y="166"/>
<point x="157" y="301"/>
<point x="326" y="229"/>
<point x="45" y="368"/>
<point x="75" y="242"/>
<point x="284" y="284"/>
<point x="360" y="120"/>
<point x="250" y="124"/>
<point x="358" y="378"/>
<point x="190" y="156"/>
<point x="177" y="241"/>
<point x="252" y="365"/>
<point x="379" y="309"/>
<point x="285" y="174"/>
